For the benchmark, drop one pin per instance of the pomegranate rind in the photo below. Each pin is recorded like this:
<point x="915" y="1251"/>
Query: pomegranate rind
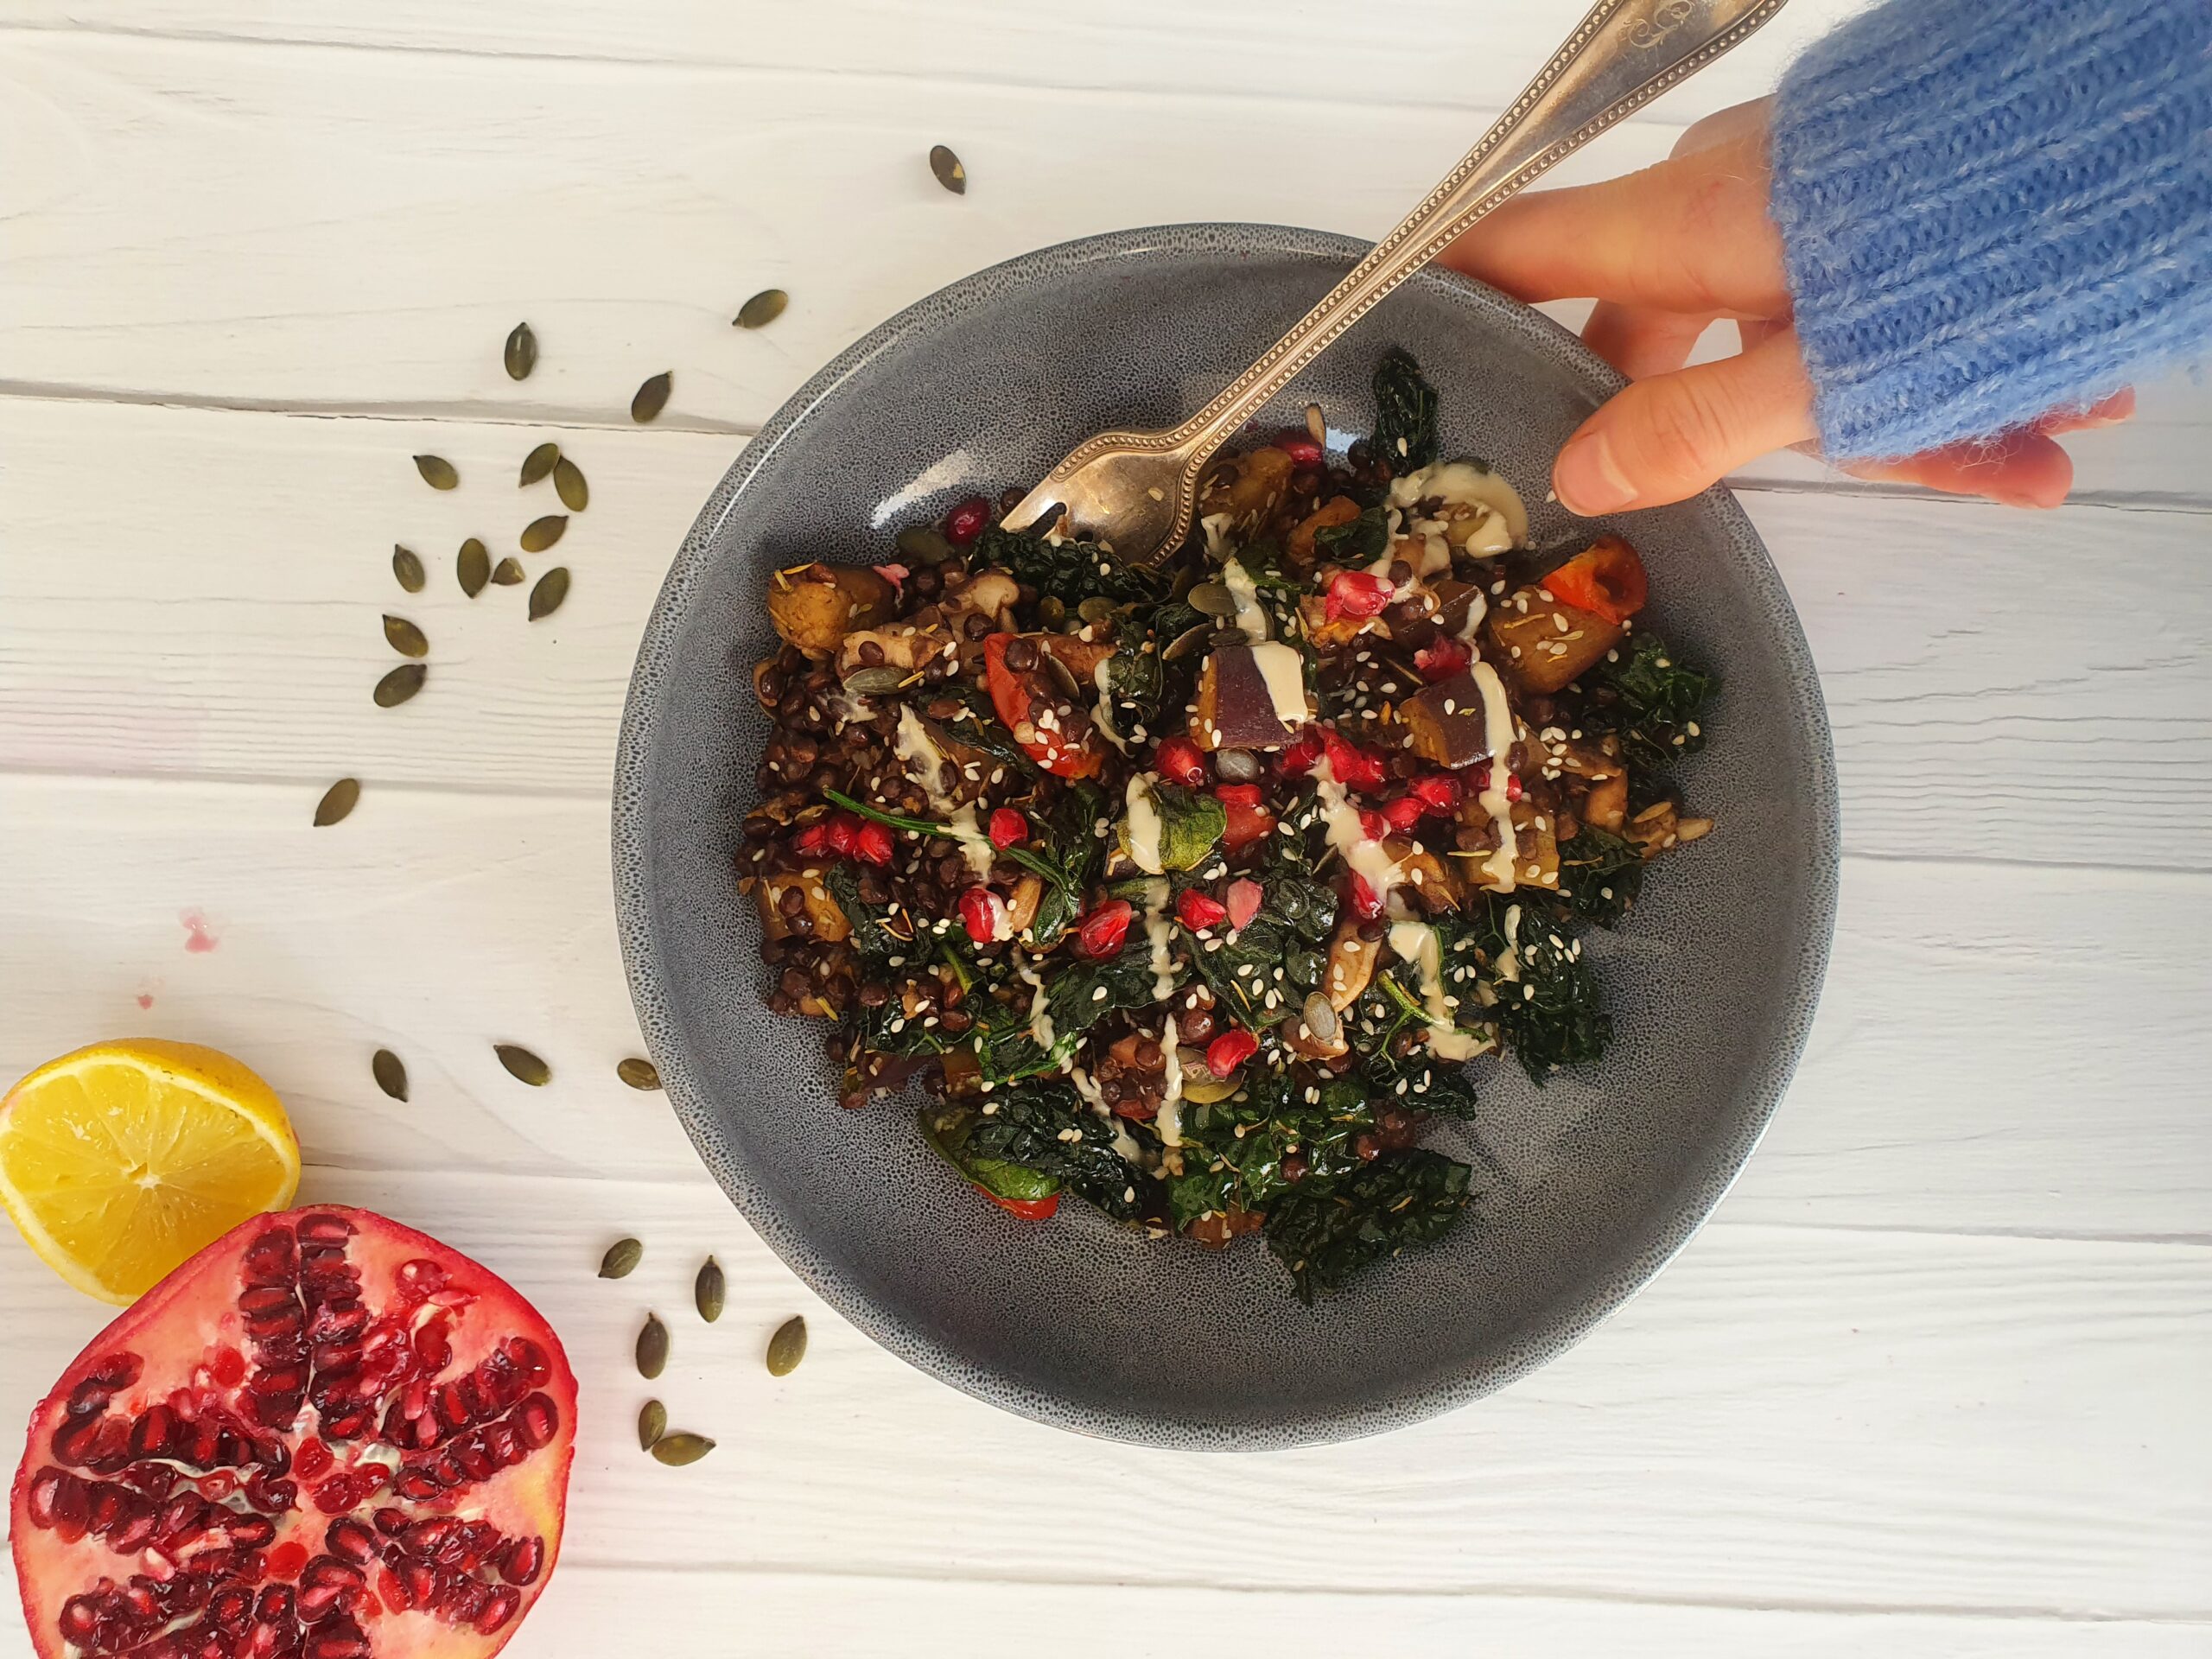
<point x="530" y="1497"/>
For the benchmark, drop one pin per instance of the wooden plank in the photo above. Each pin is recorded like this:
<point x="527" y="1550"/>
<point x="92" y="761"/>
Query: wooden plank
<point x="588" y="1613"/>
<point x="198" y="594"/>
<point x="1797" y="1415"/>
<point x="1969" y="1068"/>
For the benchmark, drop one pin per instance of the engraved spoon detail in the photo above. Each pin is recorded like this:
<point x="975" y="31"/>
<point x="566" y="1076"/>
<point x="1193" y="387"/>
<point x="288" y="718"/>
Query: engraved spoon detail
<point x="1136" y="492"/>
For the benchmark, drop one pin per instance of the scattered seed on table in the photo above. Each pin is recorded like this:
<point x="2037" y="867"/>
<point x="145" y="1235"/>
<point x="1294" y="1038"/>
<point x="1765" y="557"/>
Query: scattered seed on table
<point x="950" y="172"/>
<point x="526" y="1066"/>
<point x="537" y="463"/>
<point x="337" y="801"/>
<point x="406" y="568"/>
<point x="652" y="398"/>
<point x="788" y="1346"/>
<point x="708" y="1289"/>
<point x="472" y="567"/>
<point x="678" y="1449"/>
<point x="652" y="1423"/>
<point x="540" y="533"/>
<point x="507" y="572"/>
<point x="653" y="1347"/>
<point x="569" y="484"/>
<point x="638" y="1074"/>
<point x="762" y="308"/>
<point x="621" y="1259"/>
<point x="522" y="352"/>
<point x="391" y="1076"/>
<point x="400" y="685"/>
<point x="404" y="636"/>
<point x="552" y="588"/>
<point x="437" y="472"/>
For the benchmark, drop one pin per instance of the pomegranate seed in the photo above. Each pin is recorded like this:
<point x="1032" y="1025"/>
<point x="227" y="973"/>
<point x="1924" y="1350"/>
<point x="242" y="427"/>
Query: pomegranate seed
<point x="1103" y="930"/>
<point x="503" y="1605"/>
<point x="419" y="1277"/>
<point x="524" y="1561"/>
<point x="1245" y="898"/>
<point x="1482" y="782"/>
<point x="1439" y="791"/>
<point x="393" y="1592"/>
<point x="1008" y="828"/>
<point x="1443" y="660"/>
<point x="1373" y="824"/>
<point x="1353" y="766"/>
<point x="813" y="841"/>
<point x="983" y="913"/>
<point x="1403" y="813"/>
<point x="1300" y="758"/>
<point x="1357" y="593"/>
<point x="965" y="521"/>
<point x="1230" y="1050"/>
<point x="841" y="830"/>
<point x="1198" y="910"/>
<point x="873" y="843"/>
<point x="313" y="1460"/>
<point x="1366" y="903"/>
<point x="350" y="1540"/>
<point x="229" y="1369"/>
<point x="1181" y="761"/>
<point x="1238" y="794"/>
<point x="1302" y="450"/>
<point x="539" y="1420"/>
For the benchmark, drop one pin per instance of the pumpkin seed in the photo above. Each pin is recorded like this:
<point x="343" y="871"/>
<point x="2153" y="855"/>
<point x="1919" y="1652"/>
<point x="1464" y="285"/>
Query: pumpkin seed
<point x="788" y="1346"/>
<point x="437" y="472"/>
<point x="876" y="682"/>
<point x="1212" y="599"/>
<point x="1063" y="676"/>
<point x="473" y="566"/>
<point x="1316" y="428"/>
<point x="1097" y="609"/>
<point x="522" y="352"/>
<point x="400" y="685"/>
<point x="638" y="1074"/>
<point x="1321" y="1018"/>
<point x="569" y="484"/>
<point x="1052" y="610"/>
<point x="621" y="1259"/>
<point x="762" y="308"/>
<point x="552" y="588"/>
<point x="404" y="636"/>
<point x="507" y="572"/>
<point x="653" y="1347"/>
<point x="540" y="533"/>
<point x="710" y="1289"/>
<point x="1224" y="638"/>
<point x="924" y="545"/>
<point x="390" y="1075"/>
<point x="677" y="1449"/>
<point x="950" y="172"/>
<point x="406" y="568"/>
<point x="537" y="463"/>
<point x="337" y="801"/>
<point x="652" y="1423"/>
<point x="652" y="398"/>
<point x="526" y="1066"/>
<point x="1186" y="642"/>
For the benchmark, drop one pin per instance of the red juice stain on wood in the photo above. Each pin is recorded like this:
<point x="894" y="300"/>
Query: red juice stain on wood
<point x="197" y="939"/>
<point x="145" y="998"/>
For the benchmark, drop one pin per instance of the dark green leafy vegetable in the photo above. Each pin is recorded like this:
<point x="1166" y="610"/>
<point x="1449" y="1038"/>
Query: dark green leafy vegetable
<point x="869" y="936"/>
<point x="1289" y="933"/>
<point x="1655" y="701"/>
<point x="1223" y="1168"/>
<point x="1600" y="874"/>
<point x="1017" y="1143"/>
<point x="1326" y="1231"/>
<point x="1077" y="997"/>
<point x="1070" y="571"/>
<point x="1191" y="823"/>
<point x="1390" y="1017"/>
<point x="1359" y="542"/>
<point x="1405" y="414"/>
<point x="1551" y="1013"/>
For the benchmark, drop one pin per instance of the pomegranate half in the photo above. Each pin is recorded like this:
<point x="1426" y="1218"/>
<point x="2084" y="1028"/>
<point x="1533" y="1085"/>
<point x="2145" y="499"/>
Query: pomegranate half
<point x="325" y="1436"/>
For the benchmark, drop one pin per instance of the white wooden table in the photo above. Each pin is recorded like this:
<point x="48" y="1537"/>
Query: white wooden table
<point x="1934" y="1379"/>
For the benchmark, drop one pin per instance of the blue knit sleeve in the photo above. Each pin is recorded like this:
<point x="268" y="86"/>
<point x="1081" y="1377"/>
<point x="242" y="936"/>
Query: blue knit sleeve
<point x="1992" y="211"/>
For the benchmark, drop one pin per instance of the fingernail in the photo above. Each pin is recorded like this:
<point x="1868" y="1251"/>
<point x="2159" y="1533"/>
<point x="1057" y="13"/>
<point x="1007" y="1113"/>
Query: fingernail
<point x="1587" y="477"/>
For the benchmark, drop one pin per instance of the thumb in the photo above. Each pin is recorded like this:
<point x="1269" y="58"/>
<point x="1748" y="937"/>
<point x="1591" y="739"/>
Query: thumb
<point x="1666" y="438"/>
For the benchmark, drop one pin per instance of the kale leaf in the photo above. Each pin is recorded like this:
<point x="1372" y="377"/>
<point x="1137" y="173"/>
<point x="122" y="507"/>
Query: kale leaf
<point x="1070" y="842"/>
<point x="1600" y="874"/>
<point x="1360" y="541"/>
<point x="1391" y="1016"/>
<point x="1191" y="822"/>
<point x="870" y="938"/>
<point x="1656" y="700"/>
<point x="1077" y="995"/>
<point x="1287" y="936"/>
<point x="1233" y="1149"/>
<point x="1326" y="1231"/>
<point x="1070" y="571"/>
<point x="1017" y="1139"/>
<point x="1551" y="1014"/>
<point x="1405" y="415"/>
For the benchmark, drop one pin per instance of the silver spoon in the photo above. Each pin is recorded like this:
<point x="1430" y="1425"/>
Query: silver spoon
<point x="1136" y="492"/>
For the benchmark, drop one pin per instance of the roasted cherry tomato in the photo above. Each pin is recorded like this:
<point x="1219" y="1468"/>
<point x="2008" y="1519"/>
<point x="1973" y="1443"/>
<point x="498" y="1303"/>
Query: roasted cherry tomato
<point x="1016" y="696"/>
<point x="1605" y="579"/>
<point x="1249" y="821"/>
<point x="1026" y="1209"/>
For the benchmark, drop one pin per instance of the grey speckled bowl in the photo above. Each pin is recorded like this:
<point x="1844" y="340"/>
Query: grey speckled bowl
<point x="1586" y="1186"/>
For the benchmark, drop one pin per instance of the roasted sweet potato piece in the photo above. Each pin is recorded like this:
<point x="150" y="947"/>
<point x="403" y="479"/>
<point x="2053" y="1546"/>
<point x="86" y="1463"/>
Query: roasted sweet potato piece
<point x="1544" y="643"/>
<point x="815" y="608"/>
<point x="1445" y="724"/>
<point x="1248" y="487"/>
<point x="829" y="923"/>
<point x="1236" y="709"/>
<point x="1351" y="964"/>
<point x="1606" y="806"/>
<point x="1337" y="509"/>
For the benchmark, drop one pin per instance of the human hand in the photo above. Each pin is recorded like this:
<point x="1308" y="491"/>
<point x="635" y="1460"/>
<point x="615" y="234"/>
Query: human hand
<point x="1667" y="250"/>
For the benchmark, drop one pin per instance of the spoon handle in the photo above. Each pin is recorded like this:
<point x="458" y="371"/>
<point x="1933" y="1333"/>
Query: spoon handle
<point x="1623" y="55"/>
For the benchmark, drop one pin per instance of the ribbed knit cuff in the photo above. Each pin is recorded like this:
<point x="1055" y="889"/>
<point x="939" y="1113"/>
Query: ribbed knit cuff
<point x="1990" y="211"/>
